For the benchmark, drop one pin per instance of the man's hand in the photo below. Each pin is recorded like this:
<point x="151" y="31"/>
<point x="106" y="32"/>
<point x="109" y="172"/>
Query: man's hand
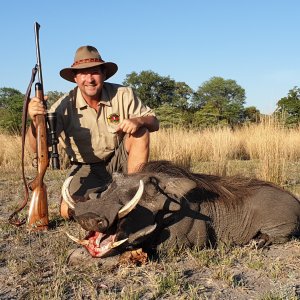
<point x="36" y="107"/>
<point x="130" y="126"/>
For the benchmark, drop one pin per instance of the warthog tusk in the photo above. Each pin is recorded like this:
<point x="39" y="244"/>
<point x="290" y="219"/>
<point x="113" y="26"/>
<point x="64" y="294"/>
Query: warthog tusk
<point x="65" y="193"/>
<point x="76" y="240"/>
<point x="126" y="209"/>
<point x="142" y="234"/>
<point x="118" y="243"/>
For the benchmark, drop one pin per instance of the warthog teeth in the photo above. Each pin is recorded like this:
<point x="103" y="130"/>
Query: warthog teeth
<point x="98" y="239"/>
<point x="118" y="243"/>
<point x="65" y="193"/>
<point x="76" y="240"/>
<point x="126" y="209"/>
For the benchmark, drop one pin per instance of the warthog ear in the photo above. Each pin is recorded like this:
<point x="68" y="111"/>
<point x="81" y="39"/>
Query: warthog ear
<point x="178" y="187"/>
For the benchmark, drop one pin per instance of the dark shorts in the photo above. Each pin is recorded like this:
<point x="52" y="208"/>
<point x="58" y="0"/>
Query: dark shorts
<point x="90" y="180"/>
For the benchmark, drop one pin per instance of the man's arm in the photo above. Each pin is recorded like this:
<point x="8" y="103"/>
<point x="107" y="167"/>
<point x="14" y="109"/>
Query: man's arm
<point x="132" y="125"/>
<point x="150" y="122"/>
<point x="31" y="137"/>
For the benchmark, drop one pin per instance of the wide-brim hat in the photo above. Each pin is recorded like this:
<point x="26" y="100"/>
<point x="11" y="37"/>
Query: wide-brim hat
<point x="87" y="57"/>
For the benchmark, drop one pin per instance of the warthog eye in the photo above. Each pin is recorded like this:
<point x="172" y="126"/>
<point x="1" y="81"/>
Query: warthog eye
<point x="102" y="224"/>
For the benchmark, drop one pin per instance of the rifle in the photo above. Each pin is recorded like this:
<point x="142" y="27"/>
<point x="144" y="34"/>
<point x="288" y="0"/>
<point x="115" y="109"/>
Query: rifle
<point x="38" y="210"/>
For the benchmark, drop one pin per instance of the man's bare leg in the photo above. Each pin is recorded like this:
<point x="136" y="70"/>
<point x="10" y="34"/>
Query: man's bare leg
<point x="64" y="209"/>
<point x="137" y="147"/>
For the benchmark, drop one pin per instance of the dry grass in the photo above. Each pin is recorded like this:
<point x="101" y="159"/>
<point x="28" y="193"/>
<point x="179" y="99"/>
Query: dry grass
<point x="266" y="151"/>
<point x="10" y="151"/>
<point x="270" y="148"/>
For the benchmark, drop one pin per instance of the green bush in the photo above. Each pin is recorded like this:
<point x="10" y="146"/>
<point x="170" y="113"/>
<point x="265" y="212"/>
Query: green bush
<point x="11" y="108"/>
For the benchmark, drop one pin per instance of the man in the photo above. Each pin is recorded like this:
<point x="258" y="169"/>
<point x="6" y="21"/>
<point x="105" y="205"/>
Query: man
<point x="103" y="127"/>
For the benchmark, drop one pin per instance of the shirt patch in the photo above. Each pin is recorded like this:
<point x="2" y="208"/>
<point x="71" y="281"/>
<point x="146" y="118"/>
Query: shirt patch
<point x="114" y="119"/>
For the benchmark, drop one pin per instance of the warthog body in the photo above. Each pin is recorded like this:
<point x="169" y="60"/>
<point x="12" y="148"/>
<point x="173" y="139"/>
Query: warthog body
<point x="183" y="208"/>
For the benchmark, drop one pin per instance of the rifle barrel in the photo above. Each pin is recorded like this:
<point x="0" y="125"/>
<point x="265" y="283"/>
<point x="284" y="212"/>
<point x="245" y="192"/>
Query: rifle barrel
<point x="38" y="55"/>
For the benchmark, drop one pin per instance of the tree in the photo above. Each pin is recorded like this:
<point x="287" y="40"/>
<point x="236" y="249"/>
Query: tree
<point x="251" y="114"/>
<point x="6" y="96"/>
<point x="208" y="116"/>
<point x="289" y="106"/>
<point x="155" y="90"/>
<point x="182" y="95"/>
<point x="170" y="116"/>
<point x="11" y="107"/>
<point x="224" y="97"/>
<point x="53" y="96"/>
<point x="152" y="89"/>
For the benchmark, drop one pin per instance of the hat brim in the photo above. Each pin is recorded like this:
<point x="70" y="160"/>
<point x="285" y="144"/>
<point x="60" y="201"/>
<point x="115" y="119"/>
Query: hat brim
<point x="69" y="73"/>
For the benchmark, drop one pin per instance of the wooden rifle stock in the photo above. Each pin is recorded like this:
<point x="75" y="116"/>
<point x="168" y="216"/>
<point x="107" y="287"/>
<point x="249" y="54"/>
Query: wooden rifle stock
<point x="38" y="209"/>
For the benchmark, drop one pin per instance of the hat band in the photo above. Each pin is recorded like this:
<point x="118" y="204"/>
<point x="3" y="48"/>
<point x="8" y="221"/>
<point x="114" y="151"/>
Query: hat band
<point x="86" y="60"/>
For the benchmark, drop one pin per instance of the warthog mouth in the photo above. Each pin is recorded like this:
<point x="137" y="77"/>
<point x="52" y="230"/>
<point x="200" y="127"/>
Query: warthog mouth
<point x="98" y="244"/>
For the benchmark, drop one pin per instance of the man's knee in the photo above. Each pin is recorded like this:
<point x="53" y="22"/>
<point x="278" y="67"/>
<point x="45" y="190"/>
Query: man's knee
<point x="65" y="211"/>
<point x="142" y="134"/>
<point x="140" y="138"/>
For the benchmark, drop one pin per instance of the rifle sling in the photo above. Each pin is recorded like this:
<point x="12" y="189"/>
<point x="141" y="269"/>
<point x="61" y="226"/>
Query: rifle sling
<point x="13" y="218"/>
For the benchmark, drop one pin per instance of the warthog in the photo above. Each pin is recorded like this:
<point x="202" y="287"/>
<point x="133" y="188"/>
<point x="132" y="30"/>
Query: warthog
<point x="166" y="205"/>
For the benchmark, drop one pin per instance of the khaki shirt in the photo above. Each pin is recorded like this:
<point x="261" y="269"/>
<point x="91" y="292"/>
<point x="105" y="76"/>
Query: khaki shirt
<point x="88" y="136"/>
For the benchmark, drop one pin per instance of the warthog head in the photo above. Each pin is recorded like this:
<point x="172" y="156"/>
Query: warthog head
<point x="133" y="210"/>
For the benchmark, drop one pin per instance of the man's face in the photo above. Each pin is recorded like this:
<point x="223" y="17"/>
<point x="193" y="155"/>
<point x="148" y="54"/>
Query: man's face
<point x="90" y="81"/>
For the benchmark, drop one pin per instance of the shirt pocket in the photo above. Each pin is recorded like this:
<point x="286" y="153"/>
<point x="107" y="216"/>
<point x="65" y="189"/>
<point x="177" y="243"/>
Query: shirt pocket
<point x="111" y="140"/>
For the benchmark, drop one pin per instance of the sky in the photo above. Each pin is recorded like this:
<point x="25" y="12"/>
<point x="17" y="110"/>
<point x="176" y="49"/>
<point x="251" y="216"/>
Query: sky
<point x="256" y="43"/>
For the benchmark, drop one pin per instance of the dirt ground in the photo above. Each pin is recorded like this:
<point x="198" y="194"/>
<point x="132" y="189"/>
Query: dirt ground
<point x="34" y="265"/>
